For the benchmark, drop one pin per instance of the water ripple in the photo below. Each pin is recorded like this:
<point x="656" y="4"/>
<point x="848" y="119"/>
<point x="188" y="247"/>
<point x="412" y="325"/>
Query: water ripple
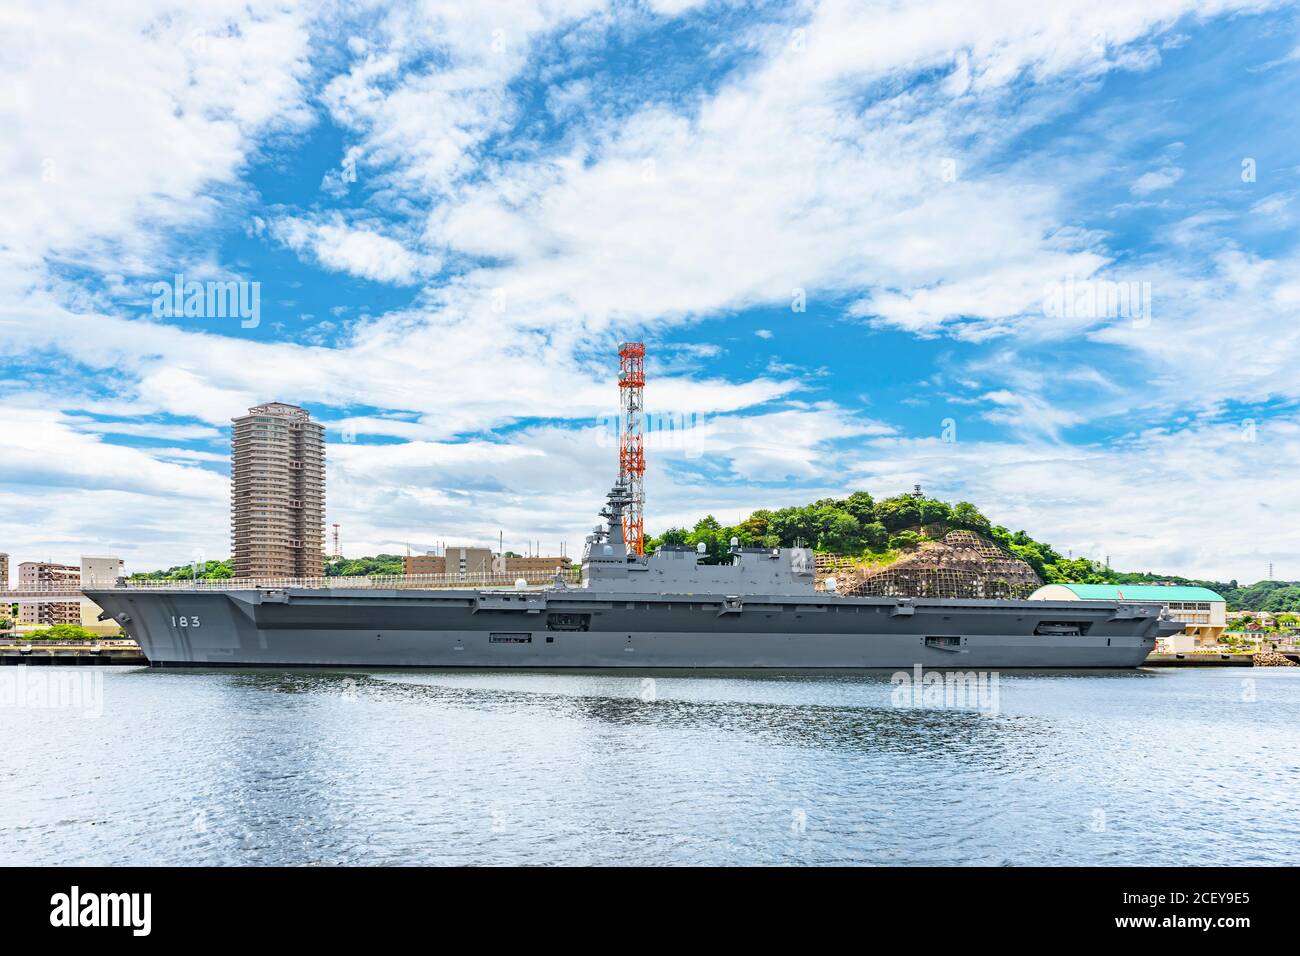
<point x="449" y="767"/>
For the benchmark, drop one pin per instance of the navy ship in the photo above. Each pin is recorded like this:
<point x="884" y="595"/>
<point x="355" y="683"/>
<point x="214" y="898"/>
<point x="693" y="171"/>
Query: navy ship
<point x="665" y="610"/>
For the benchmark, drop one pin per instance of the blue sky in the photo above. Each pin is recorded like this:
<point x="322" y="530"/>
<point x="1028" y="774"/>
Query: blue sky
<point x="839" y="227"/>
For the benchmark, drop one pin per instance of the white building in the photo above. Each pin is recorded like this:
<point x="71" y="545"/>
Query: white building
<point x="99" y="571"/>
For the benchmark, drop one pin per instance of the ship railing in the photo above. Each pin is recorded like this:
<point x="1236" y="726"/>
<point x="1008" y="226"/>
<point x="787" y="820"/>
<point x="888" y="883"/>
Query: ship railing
<point x="74" y="589"/>
<point x="478" y="581"/>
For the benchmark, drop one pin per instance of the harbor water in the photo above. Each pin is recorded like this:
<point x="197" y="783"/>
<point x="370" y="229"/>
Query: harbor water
<point x="128" y="765"/>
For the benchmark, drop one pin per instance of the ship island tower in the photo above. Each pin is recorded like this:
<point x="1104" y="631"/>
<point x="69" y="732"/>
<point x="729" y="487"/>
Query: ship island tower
<point x="277" y="492"/>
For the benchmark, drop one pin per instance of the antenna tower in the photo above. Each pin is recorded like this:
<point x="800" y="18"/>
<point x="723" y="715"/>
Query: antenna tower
<point x="631" y="446"/>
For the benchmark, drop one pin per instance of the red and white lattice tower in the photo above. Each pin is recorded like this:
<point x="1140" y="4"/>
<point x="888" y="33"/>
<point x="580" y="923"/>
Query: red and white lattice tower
<point x="631" y="445"/>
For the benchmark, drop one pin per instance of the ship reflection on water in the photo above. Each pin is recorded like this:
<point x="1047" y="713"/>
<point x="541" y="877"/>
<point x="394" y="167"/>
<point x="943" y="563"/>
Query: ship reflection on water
<point x="850" y="710"/>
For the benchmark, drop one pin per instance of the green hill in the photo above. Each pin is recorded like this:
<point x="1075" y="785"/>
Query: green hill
<point x="878" y="531"/>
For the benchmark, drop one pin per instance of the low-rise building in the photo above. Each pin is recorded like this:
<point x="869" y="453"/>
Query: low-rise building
<point x="456" y="560"/>
<point x="537" y="565"/>
<point x="1202" y="611"/>
<point x="424" y="564"/>
<point x="42" y="576"/>
<point x="94" y="571"/>
<point x="8" y="610"/>
<point x="99" y="571"/>
<point x="1266" y="620"/>
<point x="471" y="560"/>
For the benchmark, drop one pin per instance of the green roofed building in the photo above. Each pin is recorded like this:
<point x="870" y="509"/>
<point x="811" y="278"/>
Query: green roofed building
<point x="1204" y="612"/>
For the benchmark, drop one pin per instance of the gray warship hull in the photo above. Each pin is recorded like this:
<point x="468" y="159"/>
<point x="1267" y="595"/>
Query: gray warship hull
<point x="577" y="628"/>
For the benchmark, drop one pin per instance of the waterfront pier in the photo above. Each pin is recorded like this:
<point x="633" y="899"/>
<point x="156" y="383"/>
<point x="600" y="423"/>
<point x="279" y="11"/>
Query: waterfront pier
<point x="106" y="653"/>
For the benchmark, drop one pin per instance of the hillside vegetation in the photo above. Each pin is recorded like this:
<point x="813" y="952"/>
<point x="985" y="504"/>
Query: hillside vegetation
<point x="219" y="570"/>
<point x="879" y="531"/>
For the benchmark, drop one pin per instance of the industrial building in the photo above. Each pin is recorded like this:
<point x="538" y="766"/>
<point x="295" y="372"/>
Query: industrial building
<point x="1204" y="612"/>
<point x="277" y="481"/>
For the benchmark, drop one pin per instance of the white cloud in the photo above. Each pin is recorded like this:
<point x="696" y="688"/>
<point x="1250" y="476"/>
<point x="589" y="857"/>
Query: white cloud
<point x="784" y="180"/>
<point x="358" y="250"/>
<point x="1204" y="319"/>
<point x="422" y="124"/>
<point x="157" y="431"/>
<point x="1155" y="180"/>
<point x="817" y="166"/>
<point x="1206" y="500"/>
<point x="121" y="126"/>
<point x="1028" y="414"/>
<point x="64" y="493"/>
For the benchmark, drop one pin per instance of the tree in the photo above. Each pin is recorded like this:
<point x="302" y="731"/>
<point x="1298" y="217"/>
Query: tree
<point x="756" y="526"/>
<point x="791" y="525"/>
<point x="379" y="565"/>
<point x="837" y="530"/>
<point x="1075" y="571"/>
<point x="899" y="512"/>
<point x="207" y="571"/>
<point x="966" y="515"/>
<point x="934" y="511"/>
<point x="862" y="506"/>
<point x="1030" y="554"/>
<point x="63" y="632"/>
<point x="874" y="535"/>
<point x="905" y="539"/>
<point x="709" y="532"/>
<point x="676" y="536"/>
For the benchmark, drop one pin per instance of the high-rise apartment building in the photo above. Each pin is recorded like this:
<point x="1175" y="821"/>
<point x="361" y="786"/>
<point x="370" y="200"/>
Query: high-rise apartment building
<point x="277" y="493"/>
<point x="4" y="571"/>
